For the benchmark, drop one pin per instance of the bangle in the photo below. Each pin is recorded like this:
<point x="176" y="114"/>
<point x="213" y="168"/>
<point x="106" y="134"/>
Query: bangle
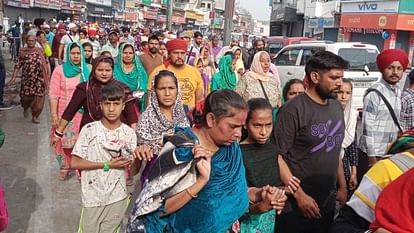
<point x="106" y="167"/>
<point x="189" y="193"/>
<point x="58" y="134"/>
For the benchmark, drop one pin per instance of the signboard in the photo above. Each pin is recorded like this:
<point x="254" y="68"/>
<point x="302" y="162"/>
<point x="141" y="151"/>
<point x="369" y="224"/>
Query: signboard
<point x="200" y="17"/>
<point x="322" y="23"/>
<point x="132" y="17"/>
<point x="363" y="30"/>
<point x="150" y="13"/>
<point x="18" y="3"/>
<point x="100" y="2"/>
<point x="131" y="4"/>
<point x="71" y="5"/>
<point x="190" y="15"/>
<point x="381" y="21"/>
<point x="406" y="7"/>
<point x="371" y="7"/>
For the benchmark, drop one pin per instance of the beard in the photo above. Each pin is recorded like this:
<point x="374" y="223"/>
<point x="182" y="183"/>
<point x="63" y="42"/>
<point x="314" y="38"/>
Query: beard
<point x="326" y="94"/>
<point x="176" y="64"/>
<point x="153" y="50"/>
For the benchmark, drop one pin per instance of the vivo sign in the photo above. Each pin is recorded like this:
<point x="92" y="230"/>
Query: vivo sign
<point x="368" y="6"/>
<point x="358" y="7"/>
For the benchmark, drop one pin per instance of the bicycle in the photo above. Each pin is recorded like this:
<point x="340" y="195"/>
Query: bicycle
<point x="13" y="48"/>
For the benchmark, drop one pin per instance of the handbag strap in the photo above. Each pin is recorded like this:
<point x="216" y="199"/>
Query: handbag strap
<point x="394" y="117"/>
<point x="264" y="91"/>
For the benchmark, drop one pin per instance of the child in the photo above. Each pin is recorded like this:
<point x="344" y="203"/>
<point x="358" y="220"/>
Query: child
<point x="103" y="181"/>
<point x="88" y="50"/>
<point x="349" y="150"/>
<point x="262" y="170"/>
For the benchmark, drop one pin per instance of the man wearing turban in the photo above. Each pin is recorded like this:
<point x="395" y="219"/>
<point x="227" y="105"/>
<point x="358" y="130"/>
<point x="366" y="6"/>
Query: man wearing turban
<point x="379" y="128"/>
<point x="189" y="78"/>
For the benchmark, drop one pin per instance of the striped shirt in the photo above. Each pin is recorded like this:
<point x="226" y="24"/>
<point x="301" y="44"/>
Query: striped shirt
<point x="407" y="109"/>
<point x="375" y="180"/>
<point x="379" y="129"/>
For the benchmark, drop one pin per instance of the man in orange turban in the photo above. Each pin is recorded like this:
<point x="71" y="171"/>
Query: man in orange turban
<point x="380" y="127"/>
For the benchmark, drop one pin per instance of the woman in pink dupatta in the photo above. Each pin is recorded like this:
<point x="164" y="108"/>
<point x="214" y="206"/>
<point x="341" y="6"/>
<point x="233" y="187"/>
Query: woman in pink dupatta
<point x="65" y="78"/>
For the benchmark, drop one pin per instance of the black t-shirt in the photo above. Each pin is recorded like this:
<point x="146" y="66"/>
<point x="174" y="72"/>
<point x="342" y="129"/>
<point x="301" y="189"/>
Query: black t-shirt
<point x="309" y="137"/>
<point x="260" y="162"/>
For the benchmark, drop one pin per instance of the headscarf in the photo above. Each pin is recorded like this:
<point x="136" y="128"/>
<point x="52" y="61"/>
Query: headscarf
<point x="350" y="118"/>
<point x="394" y="207"/>
<point x="137" y="79"/>
<point x="71" y="70"/>
<point x="225" y="78"/>
<point x="153" y="124"/>
<point x="256" y="70"/>
<point x="239" y="62"/>
<point x="94" y="87"/>
<point x="386" y="57"/>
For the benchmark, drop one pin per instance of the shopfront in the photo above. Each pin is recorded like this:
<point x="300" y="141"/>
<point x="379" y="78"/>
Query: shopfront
<point x="40" y="9"/>
<point x="99" y="10"/>
<point x="70" y="9"/>
<point x="190" y="20"/>
<point x="368" y="21"/>
<point x="178" y="19"/>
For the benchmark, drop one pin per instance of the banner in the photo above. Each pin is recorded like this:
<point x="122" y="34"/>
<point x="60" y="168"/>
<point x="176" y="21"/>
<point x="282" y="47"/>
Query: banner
<point x="100" y="2"/>
<point x="18" y="3"/>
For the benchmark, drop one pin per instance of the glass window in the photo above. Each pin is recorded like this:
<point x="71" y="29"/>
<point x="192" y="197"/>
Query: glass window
<point x="275" y="47"/>
<point x="287" y="57"/>
<point x="359" y="58"/>
<point x="308" y="52"/>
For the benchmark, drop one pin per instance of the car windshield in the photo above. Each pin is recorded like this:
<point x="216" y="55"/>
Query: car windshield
<point x="275" y="47"/>
<point x="359" y="58"/>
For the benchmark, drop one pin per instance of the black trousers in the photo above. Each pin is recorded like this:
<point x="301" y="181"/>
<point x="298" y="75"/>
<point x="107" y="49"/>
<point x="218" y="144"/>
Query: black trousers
<point x="295" y="222"/>
<point x="349" y="222"/>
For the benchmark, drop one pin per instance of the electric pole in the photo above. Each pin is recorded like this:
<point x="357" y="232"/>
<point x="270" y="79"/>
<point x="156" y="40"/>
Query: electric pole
<point x="228" y="20"/>
<point x="169" y="14"/>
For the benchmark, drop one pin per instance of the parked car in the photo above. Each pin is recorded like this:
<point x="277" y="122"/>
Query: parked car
<point x="276" y="43"/>
<point x="363" y="70"/>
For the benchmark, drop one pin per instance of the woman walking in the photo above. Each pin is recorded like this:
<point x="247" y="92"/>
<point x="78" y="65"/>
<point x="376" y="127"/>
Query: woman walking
<point x="130" y="71"/>
<point x="199" y="185"/>
<point x="87" y="96"/>
<point x="164" y="113"/>
<point x="260" y="82"/>
<point x="34" y="79"/>
<point x="64" y="80"/>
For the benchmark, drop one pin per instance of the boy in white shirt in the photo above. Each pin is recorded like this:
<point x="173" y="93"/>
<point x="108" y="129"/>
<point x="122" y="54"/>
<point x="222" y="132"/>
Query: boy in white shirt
<point x="102" y="152"/>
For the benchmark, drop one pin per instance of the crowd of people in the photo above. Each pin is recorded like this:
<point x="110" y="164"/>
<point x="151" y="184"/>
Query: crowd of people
<point x="219" y="144"/>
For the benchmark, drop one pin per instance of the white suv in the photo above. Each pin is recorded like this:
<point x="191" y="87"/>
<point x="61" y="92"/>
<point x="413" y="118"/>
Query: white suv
<point x="363" y="70"/>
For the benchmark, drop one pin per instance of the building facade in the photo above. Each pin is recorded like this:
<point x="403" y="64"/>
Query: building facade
<point x="387" y="24"/>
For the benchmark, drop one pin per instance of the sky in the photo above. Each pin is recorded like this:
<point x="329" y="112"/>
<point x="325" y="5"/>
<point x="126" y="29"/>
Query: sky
<point x="258" y="8"/>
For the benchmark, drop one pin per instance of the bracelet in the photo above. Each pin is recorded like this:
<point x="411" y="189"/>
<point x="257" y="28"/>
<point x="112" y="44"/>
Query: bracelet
<point x="189" y="193"/>
<point x="106" y="167"/>
<point x="58" y="134"/>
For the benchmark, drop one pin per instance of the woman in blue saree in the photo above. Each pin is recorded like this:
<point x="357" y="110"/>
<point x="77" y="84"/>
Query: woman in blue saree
<point x="198" y="183"/>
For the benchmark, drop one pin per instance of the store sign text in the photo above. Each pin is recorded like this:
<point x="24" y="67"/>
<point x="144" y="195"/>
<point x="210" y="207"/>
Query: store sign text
<point x="366" y="7"/>
<point x="364" y="30"/>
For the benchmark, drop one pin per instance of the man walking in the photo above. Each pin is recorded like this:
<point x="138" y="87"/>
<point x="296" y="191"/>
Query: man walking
<point x="152" y="58"/>
<point x="309" y="133"/>
<point x="191" y="84"/>
<point x="379" y="126"/>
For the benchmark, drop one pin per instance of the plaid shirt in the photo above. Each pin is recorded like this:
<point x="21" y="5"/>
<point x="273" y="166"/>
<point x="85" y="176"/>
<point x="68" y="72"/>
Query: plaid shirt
<point x="407" y="109"/>
<point x="379" y="129"/>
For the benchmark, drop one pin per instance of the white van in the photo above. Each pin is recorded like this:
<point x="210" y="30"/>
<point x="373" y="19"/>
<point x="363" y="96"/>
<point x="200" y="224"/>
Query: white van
<point x="363" y="70"/>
